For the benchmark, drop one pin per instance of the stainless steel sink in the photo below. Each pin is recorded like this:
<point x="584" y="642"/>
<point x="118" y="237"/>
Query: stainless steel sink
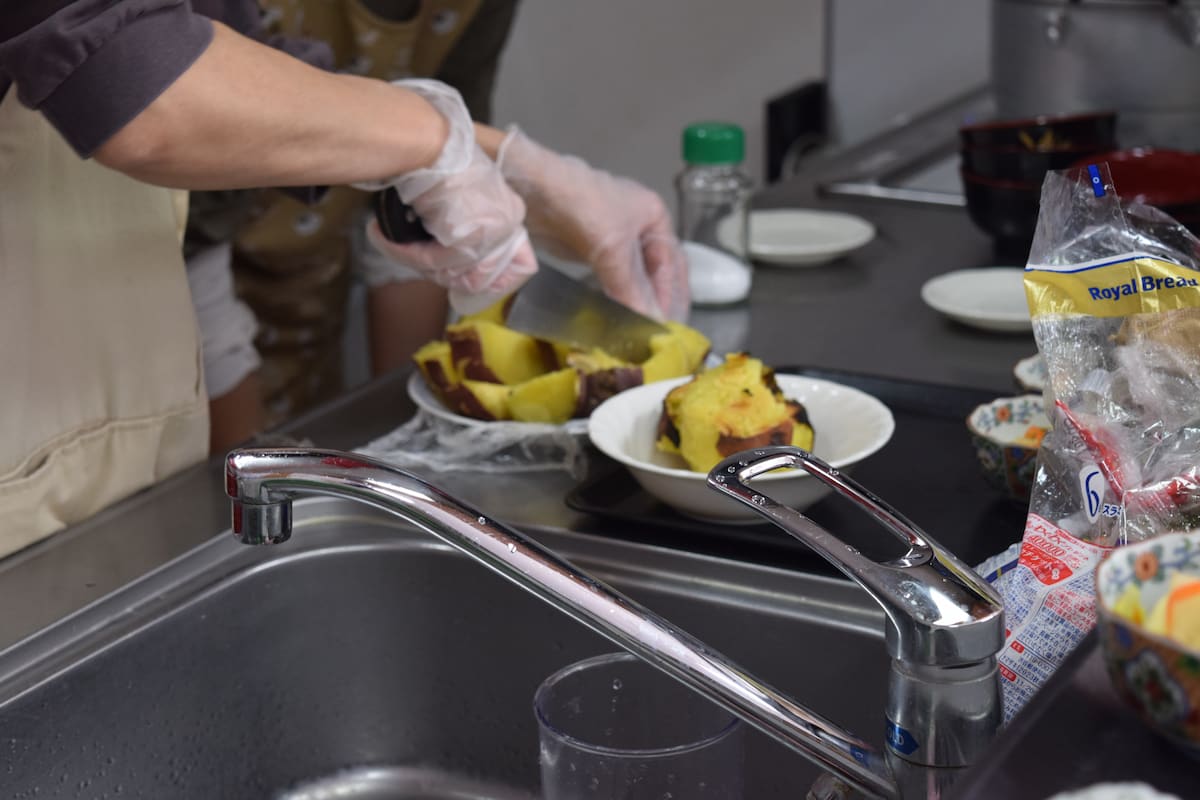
<point x="346" y="664"/>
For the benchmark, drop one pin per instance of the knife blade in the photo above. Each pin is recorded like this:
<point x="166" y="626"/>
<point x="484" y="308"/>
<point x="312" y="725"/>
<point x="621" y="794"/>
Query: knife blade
<point x="551" y="305"/>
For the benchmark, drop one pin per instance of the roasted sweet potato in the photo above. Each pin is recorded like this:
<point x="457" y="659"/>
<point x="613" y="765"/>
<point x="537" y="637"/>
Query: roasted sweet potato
<point x="485" y="351"/>
<point x="733" y="407"/>
<point x="600" y="377"/>
<point x="695" y="345"/>
<point x="541" y="381"/>
<point x="553" y="397"/>
<point x="437" y="366"/>
<point x="479" y="399"/>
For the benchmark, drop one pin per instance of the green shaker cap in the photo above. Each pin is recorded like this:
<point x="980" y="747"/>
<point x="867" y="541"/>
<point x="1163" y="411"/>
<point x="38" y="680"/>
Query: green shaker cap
<point x="713" y="143"/>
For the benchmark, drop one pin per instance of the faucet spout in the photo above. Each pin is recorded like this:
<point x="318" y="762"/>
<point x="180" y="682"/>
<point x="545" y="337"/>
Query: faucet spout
<point x="262" y="484"/>
<point x="262" y="523"/>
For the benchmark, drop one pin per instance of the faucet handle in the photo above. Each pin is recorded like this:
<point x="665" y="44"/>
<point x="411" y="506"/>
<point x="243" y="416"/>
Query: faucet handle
<point x="942" y="613"/>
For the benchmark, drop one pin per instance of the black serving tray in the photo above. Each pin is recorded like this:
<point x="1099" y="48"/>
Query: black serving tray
<point x="928" y="471"/>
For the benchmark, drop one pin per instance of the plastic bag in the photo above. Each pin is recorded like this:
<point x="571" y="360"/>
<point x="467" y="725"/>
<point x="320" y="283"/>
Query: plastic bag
<point x="427" y="443"/>
<point x="1114" y="293"/>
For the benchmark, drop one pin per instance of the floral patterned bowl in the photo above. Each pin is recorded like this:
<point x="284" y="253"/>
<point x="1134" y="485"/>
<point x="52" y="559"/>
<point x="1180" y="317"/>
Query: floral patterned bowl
<point x="1031" y="373"/>
<point x="1003" y="432"/>
<point x="1158" y="677"/>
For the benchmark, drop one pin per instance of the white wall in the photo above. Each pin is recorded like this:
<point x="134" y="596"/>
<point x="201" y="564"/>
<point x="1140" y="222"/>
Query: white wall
<point x="615" y="81"/>
<point x="888" y="59"/>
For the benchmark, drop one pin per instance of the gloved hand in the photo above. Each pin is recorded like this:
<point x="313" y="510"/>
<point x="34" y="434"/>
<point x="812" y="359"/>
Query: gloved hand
<point x="615" y="225"/>
<point x="482" y="250"/>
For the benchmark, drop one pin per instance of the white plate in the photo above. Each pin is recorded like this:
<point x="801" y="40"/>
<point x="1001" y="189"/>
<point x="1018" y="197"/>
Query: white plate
<point x="991" y="299"/>
<point x="1031" y="373"/>
<point x="848" y="426"/>
<point x="798" y="237"/>
<point x="427" y="401"/>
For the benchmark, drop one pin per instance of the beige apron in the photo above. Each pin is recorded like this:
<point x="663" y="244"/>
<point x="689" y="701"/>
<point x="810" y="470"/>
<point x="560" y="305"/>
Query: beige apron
<point x="101" y="385"/>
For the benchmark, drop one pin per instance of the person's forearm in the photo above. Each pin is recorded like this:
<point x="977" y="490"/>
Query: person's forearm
<point x="489" y="139"/>
<point x="244" y="115"/>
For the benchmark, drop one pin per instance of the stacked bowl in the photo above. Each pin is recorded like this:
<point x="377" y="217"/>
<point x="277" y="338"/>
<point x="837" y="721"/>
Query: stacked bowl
<point x="1003" y="163"/>
<point x="1169" y="180"/>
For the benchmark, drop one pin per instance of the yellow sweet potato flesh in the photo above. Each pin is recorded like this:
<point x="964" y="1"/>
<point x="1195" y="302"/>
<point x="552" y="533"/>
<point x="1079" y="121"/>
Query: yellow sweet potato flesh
<point x="437" y="366"/>
<point x="485" y="351"/>
<point x="696" y="345"/>
<point x="679" y="352"/>
<point x="668" y="359"/>
<point x="551" y="398"/>
<point x="480" y="400"/>
<point x="733" y="407"/>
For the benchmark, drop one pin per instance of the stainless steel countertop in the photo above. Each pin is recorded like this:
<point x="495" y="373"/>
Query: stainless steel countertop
<point x="863" y="313"/>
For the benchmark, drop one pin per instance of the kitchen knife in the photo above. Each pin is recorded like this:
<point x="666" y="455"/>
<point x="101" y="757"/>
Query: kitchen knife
<point x="560" y="309"/>
<point x="551" y="305"/>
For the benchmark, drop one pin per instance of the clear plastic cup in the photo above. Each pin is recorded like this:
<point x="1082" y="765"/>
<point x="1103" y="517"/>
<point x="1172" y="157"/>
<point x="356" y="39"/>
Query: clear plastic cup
<point x="614" y="727"/>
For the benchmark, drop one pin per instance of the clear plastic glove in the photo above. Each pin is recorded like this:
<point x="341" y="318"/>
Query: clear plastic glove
<point x="621" y="229"/>
<point x="482" y="250"/>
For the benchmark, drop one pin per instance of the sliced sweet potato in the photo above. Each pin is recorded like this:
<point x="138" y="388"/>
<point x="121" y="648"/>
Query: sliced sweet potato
<point x="680" y="351"/>
<point x="601" y="376"/>
<point x="555" y="356"/>
<point x="480" y="349"/>
<point x="485" y="351"/>
<point x="696" y="345"/>
<point x="668" y="359"/>
<point x="480" y="400"/>
<point x="602" y="384"/>
<point x="552" y="398"/>
<point x="437" y="366"/>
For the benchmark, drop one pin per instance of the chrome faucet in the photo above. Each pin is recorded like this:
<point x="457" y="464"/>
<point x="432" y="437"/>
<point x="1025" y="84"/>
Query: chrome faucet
<point x="946" y="623"/>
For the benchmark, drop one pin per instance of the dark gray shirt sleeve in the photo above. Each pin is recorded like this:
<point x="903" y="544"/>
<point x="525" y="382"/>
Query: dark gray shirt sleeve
<point x="90" y="66"/>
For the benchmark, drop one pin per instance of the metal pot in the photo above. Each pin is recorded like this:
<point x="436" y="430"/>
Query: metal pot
<point x="1139" y="57"/>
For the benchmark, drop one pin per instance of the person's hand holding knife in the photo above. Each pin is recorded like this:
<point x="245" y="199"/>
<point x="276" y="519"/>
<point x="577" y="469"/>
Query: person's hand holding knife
<point x="478" y="213"/>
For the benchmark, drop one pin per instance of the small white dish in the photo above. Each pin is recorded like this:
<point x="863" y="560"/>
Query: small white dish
<point x="991" y="299"/>
<point x="427" y="401"/>
<point x="1031" y="373"/>
<point x="849" y="425"/>
<point x="797" y="237"/>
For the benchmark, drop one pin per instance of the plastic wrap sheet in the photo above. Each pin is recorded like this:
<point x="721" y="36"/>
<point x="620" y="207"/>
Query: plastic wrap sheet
<point x="430" y="443"/>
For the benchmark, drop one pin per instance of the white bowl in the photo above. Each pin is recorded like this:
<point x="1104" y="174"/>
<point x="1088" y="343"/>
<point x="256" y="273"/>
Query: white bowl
<point x="849" y="425"/>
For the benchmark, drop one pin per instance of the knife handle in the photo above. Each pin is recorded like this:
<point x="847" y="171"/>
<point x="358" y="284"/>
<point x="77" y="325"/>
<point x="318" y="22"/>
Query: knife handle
<point x="397" y="221"/>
